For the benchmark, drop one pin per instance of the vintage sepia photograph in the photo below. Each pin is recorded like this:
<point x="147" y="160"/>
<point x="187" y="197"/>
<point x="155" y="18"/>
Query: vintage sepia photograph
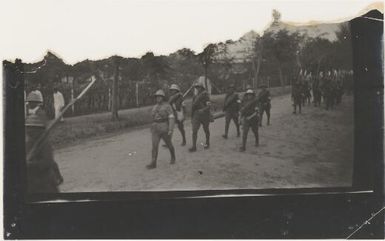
<point x="266" y="109"/>
<point x="193" y="119"/>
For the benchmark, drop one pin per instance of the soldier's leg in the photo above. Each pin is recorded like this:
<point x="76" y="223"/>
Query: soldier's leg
<point x="182" y="132"/>
<point x="235" y="118"/>
<point x="227" y="124"/>
<point x="299" y="107"/>
<point x="254" y="128"/>
<point x="167" y="139"/>
<point x="195" y="127"/>
<point x="261" y="116"/>
<point x="295" y="107"/>
<point x="155" y="146"/>
<point x="245" y="131"/>
<point x="268" y="115"/>
<point x="206" y="129"/>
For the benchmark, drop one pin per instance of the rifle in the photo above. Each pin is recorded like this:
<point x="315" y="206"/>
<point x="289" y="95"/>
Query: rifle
<point x="38" y="144"/>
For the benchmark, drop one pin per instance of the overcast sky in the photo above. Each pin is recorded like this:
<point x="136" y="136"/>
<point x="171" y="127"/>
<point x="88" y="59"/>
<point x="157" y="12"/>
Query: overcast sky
<point x="79" y="29"/>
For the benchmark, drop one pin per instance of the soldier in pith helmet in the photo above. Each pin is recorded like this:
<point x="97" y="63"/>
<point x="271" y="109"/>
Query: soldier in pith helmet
<point x="162" y="127"/>
<point x="43" y="175"/>
<point x="249" y="117"/>
<point x="264" y="100"/>
<point x="178" y="105"/>
<point x="200" y="115"/>
<point x="231" y="109"/>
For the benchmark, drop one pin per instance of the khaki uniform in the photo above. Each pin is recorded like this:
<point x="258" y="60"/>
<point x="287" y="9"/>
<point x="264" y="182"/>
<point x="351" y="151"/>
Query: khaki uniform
<point x="43" y="175"/>
<point x="160" y="128"/>
<point x="177" y="104"/>
<point x="200" y="112"/>
<point x="296" y="95"/>
<point x="264" y="105"/>
<point x="250" y="119"/>
<point x="231" y="109"/>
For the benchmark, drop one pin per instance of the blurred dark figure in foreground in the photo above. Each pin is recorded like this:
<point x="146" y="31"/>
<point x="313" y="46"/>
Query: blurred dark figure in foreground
<point x="43" y="175"/>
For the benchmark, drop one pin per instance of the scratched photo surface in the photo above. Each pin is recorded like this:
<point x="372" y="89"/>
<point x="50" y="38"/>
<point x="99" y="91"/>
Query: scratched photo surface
<point x="178" y="119"/>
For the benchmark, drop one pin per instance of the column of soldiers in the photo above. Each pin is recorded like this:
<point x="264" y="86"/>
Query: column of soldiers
<point x="327" y="88"/>
<point x="246" y="112"/>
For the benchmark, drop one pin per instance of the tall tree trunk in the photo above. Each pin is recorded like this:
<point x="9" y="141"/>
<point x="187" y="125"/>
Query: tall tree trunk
<point x="114" y="107"/>
<point x="280" y="75"/>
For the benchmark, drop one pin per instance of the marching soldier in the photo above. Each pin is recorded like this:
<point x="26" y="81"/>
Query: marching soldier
<point x="200" y="115"/>
<point x="317" y="91"/>
<point x="264" y="104"/>
<point x="296" y="96"/>
<point x="178" y="106"/>
<point x="162" y="127"/>
<point x="329" y="92"/>
<point x="43" y="175"/>
<point x="231" y="108"/>
<point x="249" y="117"/>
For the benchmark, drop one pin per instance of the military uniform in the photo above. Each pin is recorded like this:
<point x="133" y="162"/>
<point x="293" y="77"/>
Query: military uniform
<point x="316" y="93"/>
<point x="296" y="95"/>
<point x="43" y="174"/>
<point x="161" y="113"/>
<point x="250" y="118"/>
<point x="231" y="109"/>
<point x="200" y="115"/>
<point x="264" y="105"/>
<point x="177" y="104"/>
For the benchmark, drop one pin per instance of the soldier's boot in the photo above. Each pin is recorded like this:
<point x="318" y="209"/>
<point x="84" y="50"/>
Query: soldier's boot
<point x="238" y="132"/>
<point x="183" y="139"/>
<point x="224" y="136"/>
<point x="192" y="149"/>
<point x="295" y="109"/>
<point x="194" y="142"/>
<point x="172" y="153"/>
<point x="257" y="139"/>
<point x="207" y="145"/>
<point x="244" y="140"/>
<point x="152" y="165"/>
<point x="207" y="133"/>
<point x="268" y="120"/>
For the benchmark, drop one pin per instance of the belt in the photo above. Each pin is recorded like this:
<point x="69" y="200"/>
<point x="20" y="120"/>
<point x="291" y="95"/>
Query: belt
<point x="160" y="120"/>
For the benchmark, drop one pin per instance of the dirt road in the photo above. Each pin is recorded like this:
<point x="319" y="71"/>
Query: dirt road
<point x="314" y="149"/>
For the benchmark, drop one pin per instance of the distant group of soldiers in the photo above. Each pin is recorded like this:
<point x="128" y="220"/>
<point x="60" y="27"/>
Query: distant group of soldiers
<point x="327" y="88"/>
<point x="246" y="112"/>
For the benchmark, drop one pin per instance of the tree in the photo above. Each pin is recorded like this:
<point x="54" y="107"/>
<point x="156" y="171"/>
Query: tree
<point x="156" y="67"/>
<point x="280" y="49"/>
<point x="207" y="58"/>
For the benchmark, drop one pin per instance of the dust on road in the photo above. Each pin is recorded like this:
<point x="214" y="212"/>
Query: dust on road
<point x="314" y="149"/>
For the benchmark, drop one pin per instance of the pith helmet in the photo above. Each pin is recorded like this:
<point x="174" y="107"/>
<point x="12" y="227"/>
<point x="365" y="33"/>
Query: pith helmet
<point x="160" y="93"/>
<point x="199" y="84"/>
<point x="249" y="87"/>
<point x="34" y="121"/>
<point x="174" y="87"/>
<point x="33" y="96"/>
<point x="250" y="91"/>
